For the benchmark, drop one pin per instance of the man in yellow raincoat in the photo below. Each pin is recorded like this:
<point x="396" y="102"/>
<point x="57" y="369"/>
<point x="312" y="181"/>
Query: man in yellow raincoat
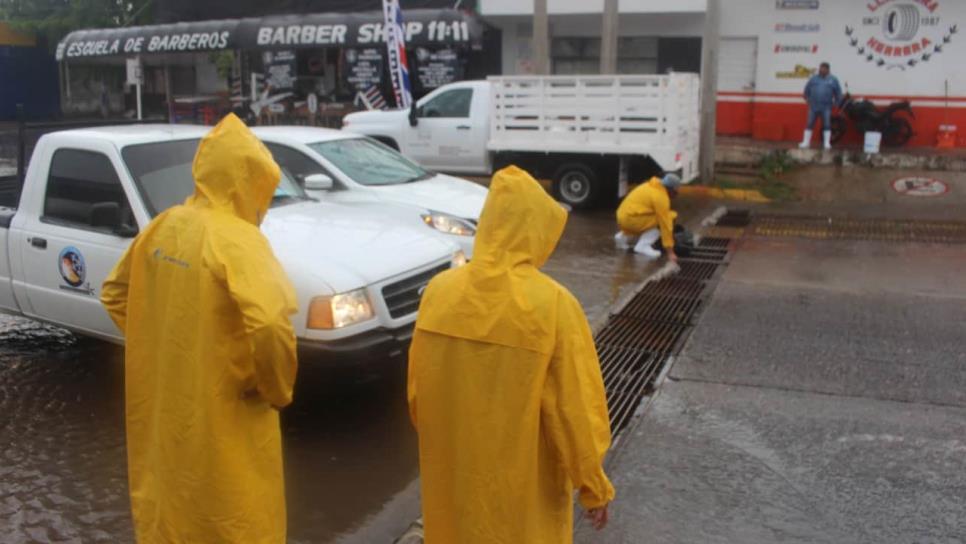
<point x="646" y="214"/>
<point x="505" y="388"/>
<point x="210" y="355"/>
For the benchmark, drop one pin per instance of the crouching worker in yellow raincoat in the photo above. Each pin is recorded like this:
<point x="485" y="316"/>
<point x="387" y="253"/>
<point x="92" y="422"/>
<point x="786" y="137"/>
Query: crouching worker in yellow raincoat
<point x="209" y="356"/>
<point x="505" y="388"/>
<point x="646" y="214"/>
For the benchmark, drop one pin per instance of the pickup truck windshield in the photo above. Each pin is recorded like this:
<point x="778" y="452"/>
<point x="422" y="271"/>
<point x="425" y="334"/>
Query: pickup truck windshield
<point x="162" y="173"/>
<point x="369" y="163"/>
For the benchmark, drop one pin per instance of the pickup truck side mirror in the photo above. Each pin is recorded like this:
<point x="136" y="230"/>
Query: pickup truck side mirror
<point x="413" y="117"/>
<point x="318" y="182"/>
<point x="107" y="215"/>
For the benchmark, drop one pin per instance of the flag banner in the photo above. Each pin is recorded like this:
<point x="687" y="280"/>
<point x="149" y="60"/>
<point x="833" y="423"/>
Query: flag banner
<point x="396" y="53"/>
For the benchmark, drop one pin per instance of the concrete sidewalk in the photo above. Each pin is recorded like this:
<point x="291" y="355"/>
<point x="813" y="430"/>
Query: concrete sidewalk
<point x="822" y="398"/>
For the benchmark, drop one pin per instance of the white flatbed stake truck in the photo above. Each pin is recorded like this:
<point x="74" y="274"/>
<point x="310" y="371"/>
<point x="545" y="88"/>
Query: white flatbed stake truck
<point x="588" y="134"/>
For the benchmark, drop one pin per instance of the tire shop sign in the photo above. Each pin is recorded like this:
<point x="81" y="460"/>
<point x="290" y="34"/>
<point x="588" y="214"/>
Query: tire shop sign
<point x="423" y="27"/>
<point x="900" y="34"/>
<point x="920" y="186"/>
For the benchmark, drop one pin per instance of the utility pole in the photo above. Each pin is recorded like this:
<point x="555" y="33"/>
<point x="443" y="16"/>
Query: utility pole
<point x="608" y="39"/>
<point x="709" y="88"/>
<point x="541" y="38"/>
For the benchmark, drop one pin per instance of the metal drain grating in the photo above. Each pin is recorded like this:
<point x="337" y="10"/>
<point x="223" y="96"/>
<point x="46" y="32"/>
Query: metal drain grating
<point x="679" y="310"/>
<point x="701" y="253"/>
<point x="887" y="230"/>
<point x="652" y="336"/>
<point x="735" y="218"/>
<point x="628" y="383"/>
<point x="715" y="243"/>
<point x="675" y="286"/>
<point x="696" y="270"/>
<point x="638" y="340"/>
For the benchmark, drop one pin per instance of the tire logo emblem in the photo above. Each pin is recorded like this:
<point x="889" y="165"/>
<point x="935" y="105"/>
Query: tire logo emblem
<point x="72" y="267"/>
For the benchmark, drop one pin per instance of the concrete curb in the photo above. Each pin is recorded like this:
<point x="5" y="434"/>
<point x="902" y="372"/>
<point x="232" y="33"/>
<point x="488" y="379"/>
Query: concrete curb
<point x="915" y="159"/>
<point x="746" y="195"/>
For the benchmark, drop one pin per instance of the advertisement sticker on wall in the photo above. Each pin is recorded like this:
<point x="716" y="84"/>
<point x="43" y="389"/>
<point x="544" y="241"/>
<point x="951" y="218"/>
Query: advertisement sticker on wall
<point x="797" y="4"/>
<point x="900" y="35"/>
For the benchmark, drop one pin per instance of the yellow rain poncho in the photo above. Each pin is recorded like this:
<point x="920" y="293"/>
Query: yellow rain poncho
<point x="646" y="207"/>
<point x="505" y="388"/>
<point x="210" y="355"/>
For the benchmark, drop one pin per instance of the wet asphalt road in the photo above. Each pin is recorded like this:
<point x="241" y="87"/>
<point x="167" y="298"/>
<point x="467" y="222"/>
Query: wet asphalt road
<point x="350" y="451"/>
<point x="820" y="399"/>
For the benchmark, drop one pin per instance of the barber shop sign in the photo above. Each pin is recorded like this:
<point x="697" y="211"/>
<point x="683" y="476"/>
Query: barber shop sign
<point x="900" y="34"/>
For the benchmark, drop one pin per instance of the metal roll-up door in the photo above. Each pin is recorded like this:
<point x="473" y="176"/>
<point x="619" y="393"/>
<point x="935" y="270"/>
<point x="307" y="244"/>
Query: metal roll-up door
<point x="737" y="64"/>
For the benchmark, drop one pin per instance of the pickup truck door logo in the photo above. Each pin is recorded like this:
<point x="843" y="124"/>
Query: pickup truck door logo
<point x="72" y="268"/>
<point x="73" y="271"/>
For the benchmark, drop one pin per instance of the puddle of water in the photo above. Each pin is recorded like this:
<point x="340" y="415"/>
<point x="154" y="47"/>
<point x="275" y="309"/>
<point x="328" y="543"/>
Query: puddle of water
<point x="349" y="447"/>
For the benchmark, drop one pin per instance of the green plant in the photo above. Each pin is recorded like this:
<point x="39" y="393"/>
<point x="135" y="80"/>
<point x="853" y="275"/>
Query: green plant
<point x="774" y="189"/>
<point x="53" y="19"/>
<point x="775" y="164"/>
<point x="223" y="61"/>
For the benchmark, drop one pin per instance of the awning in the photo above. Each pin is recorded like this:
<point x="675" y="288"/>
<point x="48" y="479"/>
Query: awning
<point x="424" y="27"/>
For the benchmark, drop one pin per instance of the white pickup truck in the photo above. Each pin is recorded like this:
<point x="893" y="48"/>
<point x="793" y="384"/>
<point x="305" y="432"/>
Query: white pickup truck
<point x="88" y="192"/>
<point x="589" y="134"/>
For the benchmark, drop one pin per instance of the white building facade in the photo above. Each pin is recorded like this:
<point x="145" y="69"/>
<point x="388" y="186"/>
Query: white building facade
<point x="885" y="50"/>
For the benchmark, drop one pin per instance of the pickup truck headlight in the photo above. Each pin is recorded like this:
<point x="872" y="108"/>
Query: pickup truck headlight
<point x="337" y="311"/>
<point x="459" y="259"/>
<point x="449" y="224"/>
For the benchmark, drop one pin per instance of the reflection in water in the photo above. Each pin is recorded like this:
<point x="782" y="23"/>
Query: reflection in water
<point x="349" y="446"/>
<point x="587" y="263"/>
<point x="62" y="432"/>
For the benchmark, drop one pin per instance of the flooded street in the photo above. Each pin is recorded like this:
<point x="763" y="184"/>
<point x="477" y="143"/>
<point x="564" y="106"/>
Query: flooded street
<point x="349" y="448"/>
<point x="62" y="478"/>
<point x="350" y="451"/>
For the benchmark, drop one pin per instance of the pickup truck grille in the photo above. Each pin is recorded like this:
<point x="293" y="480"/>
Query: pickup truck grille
<point x="402" y="298"/>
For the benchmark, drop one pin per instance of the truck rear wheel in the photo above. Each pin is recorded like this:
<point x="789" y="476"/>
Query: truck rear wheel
<point x="576" y="185"/>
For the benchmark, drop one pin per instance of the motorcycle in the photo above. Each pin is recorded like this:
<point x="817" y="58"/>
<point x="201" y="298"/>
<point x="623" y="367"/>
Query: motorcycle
<point x="896" y="130"/>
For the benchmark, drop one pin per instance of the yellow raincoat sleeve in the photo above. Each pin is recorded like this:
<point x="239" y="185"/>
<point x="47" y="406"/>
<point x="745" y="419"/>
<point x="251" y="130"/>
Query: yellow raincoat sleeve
<point x="265" y="298"/>
<point x="665" y="220"/>
<point x="574" y="406"/>
<point x="115" y="288"/>
<point x="411" y="378"/>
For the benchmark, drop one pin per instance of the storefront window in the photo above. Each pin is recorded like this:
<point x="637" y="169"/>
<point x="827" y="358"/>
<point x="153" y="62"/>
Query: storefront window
<point x="572" y="56"/>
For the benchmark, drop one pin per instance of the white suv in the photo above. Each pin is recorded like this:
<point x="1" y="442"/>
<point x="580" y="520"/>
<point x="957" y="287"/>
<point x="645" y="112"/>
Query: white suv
<point x="338" y="166"/>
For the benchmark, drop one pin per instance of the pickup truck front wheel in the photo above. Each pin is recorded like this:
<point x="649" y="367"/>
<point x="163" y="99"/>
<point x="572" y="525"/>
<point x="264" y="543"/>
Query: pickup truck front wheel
<point x="576" y="185"/>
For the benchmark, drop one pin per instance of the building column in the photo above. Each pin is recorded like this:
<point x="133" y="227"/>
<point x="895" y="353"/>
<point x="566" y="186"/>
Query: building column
<point x="541" y="38"/>
<point x="608" y="39"/>
<point x="709" y="88"/>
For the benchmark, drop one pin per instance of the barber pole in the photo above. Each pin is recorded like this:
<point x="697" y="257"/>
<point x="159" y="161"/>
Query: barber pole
<point x="396" y="48"/>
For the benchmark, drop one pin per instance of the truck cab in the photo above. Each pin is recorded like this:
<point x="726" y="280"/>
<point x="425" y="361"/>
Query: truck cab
<point x="446" y="130"/>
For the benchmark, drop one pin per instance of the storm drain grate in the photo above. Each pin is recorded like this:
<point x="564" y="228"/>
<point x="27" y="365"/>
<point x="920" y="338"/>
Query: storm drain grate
<point x="681" y="310"/>
<point x="710" y="254"/>
<point x="652" y="336"/>
<point x="714" y="243"/>
<point x="735" y="218"/>
<point x="641" y="337"/>
<point x="675" y="286"/>
<point x="696" y="270"/>
<point x="629" y="375"/>
<point x="887" y="230"/>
